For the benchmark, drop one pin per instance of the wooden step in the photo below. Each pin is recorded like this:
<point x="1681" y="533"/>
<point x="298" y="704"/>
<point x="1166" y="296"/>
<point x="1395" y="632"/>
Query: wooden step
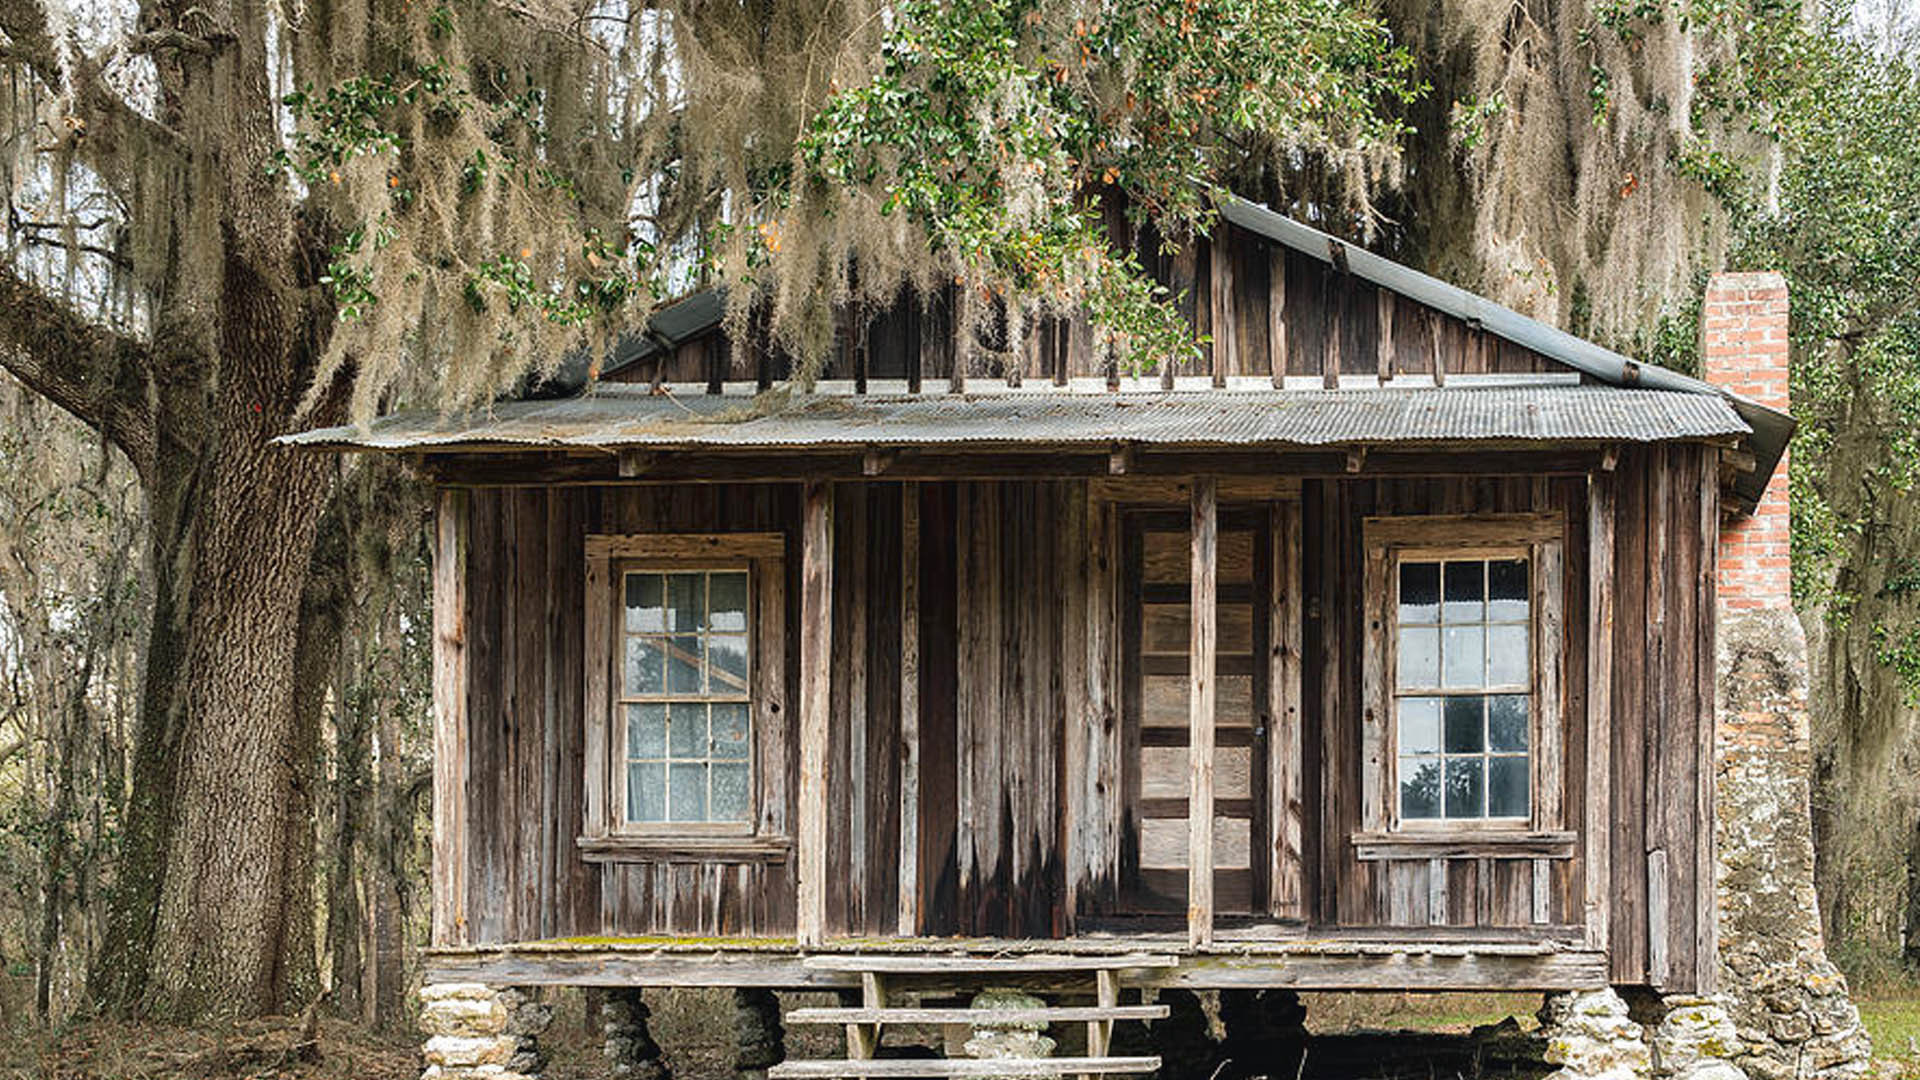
<point x="908" y="1067"/>
<point x="938" y="964"/>
<point x="976" y="1017"/>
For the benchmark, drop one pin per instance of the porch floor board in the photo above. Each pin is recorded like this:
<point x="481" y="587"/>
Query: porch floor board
<point x="1316" y="963"/>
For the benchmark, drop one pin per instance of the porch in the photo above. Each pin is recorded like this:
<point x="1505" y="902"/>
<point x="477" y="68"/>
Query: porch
<point x="1245" y="959"/>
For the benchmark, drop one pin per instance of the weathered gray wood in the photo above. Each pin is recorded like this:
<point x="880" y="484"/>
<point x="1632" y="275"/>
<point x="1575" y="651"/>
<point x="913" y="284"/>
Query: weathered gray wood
<point x="449" y="883"/>
<point x="1277" y="315"/>
<point x="857" y="768"/>
<point x="1706" y="916"/>
<point x="1385" y="300"/>
<point x="1436" y="892"/>
<point x="1220" y="300"/>
<point x="1376" y="696"/>
<point x="1286" y="750"/>
<point x="986" y="1067"/>
<point x="1463" y="530"/>
<point x="1107" y="1000"/>
<point x="1659" y="959"/>
<point x="1542" y="892"/>
<point x="1549" y="783"/>
<point x="680" y="547"/>
<point x="909" y="907"/>
<point x="969" y="1016"/>
<point x="1200" y="717"/>
<point x="938" y="963"/>
<point x="1073" y="616"/>
<point x="1098" y="822"/>
<point x="1596" y="877"/>
<point x="816" y="671"/>
<point x="1440" y="844"/>
<point x="1336" y="967"/>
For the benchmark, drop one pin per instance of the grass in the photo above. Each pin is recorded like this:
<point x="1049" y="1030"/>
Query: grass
<point x="1335" y="1014"/>
<point x="1893" y="1020"/>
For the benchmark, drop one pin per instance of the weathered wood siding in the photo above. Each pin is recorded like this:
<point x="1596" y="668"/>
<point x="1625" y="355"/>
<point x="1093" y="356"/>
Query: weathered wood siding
<point x="1468" y="891"/>
<point x="1019" y="682"/>
<point x="1328" y="324"/>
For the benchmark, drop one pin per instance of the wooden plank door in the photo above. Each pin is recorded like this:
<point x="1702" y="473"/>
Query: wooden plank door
<point x="1155" y="629"/>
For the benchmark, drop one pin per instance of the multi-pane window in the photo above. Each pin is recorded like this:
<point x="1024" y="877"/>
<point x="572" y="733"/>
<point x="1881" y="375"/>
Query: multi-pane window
<point x="1463" y="683"/>
<point x="684" y="696"/>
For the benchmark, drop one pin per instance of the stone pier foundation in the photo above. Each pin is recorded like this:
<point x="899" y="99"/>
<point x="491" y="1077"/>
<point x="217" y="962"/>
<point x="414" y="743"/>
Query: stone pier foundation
<point x="1696" y="1040"/>
<point x="477" y="1032"/>
<point x="1591" y="1035"/>
<point x="631" y="1052"/>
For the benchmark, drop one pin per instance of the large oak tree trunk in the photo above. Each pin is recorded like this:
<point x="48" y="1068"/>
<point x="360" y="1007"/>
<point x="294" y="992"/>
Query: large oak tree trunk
<point x="233" y="932"/>
<point x="214" y="912"/>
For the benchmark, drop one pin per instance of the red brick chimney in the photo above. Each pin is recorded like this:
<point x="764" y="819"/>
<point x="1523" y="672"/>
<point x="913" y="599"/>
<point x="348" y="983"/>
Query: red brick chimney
<point x="1743" y="348"/>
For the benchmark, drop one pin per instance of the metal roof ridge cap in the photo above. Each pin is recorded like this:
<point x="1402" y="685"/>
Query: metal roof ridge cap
<point x="1470" y="307"/>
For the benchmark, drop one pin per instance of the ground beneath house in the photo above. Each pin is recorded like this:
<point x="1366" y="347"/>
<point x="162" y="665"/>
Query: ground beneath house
<point x="695" y="1028"/>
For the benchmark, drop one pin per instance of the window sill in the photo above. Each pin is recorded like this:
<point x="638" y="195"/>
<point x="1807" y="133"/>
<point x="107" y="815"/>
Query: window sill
<point x="684" y="848"/>
<point x="1464" y="843"/>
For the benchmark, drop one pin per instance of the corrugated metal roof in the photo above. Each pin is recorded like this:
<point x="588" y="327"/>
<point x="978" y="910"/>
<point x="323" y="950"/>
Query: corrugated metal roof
<point x="1770" y="428"/>
<point x="630" y="417"/>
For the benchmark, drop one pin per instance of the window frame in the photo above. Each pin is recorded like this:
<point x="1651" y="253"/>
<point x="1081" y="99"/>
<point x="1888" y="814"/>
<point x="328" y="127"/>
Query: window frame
<point x="620" y="699"/>
<point x="1391" y="541"/>
<point x="606" y="834"/>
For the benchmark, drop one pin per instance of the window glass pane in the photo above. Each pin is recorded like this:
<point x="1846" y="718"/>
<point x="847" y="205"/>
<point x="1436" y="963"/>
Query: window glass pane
<point x="727" y="653"/>
<point x="1463" y="652"/>
<point x="687" y="791"/>
<point x="687" y="735"/>
<point x="727" y="600"/>
<point x="1464" y="731"/>
<point x="1420" y="725"/>
<point x="683" y="665"/>
<point x="646" y="731"/>
<point x="730" y="730"/>
<point x="647" y="792"/>
<point x="1419" y="787"/>
<point x="1508" y="662"/>
<point x="1419" y="592"/>
<point x="729" y="793"/>
<point x="687" y="641"/>
<point x="1465" y="779"/>
<point x="1466" y="592"/>
<point x="644" y="613"/>
<point x="686" y="601"/>
<point x="1507" y="722"/>
<point x="1507" y="590"/>
<point x="644" y="666"/>
<point x="1507" y="784"/>
<point x="1420" y="656"/>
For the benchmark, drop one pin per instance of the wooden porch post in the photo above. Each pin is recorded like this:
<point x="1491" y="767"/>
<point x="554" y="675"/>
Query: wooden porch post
<point x="1597" y="883"/>
<point x="449" y="885"/>
<point x="816" y="648"/>
<point x="1200" y="685"/>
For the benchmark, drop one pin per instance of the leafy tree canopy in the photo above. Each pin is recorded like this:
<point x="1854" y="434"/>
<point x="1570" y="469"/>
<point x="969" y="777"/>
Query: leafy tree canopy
<point x="945" y="140"/>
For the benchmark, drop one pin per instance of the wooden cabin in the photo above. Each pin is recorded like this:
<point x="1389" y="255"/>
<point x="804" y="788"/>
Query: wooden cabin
<point x="1377" y="652"/>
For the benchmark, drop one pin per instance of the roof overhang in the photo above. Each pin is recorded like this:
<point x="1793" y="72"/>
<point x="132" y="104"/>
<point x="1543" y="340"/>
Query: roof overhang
<point x="1771" y="428"/>
<point x="1640" y="403"/>
<point x="1501" y="411"/>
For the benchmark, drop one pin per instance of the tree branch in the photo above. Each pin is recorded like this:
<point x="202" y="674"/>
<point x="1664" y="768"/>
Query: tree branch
<point x="25" y="24"/>
<point x="95" y="374"/>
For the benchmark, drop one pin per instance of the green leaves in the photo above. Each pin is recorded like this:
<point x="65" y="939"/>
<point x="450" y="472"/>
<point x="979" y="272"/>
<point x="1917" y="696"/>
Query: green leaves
<point x="991" y="124"/>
